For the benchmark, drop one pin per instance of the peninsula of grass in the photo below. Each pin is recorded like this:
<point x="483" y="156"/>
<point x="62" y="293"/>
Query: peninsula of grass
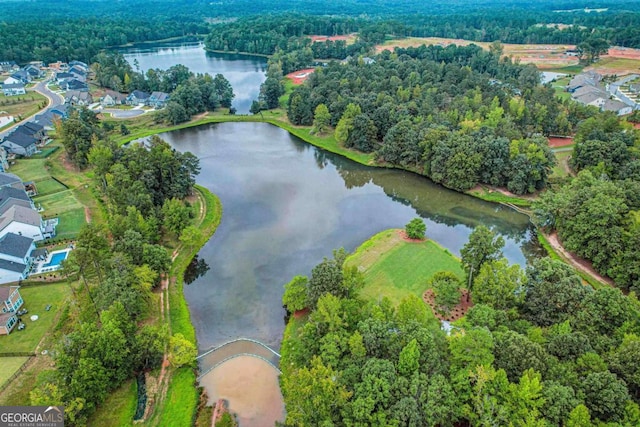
<point x="396" y="268"/>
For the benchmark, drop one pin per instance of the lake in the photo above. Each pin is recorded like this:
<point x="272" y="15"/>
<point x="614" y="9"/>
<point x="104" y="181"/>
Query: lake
<point x="245" y="73"/>
<point x="288" y="204"/>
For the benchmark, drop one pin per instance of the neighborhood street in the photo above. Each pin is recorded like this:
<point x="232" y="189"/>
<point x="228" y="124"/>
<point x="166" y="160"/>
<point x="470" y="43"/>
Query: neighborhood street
<point x="55" y="100"/>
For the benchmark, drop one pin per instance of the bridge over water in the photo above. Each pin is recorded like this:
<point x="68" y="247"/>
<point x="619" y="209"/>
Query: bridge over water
<point x="216" y="356"/>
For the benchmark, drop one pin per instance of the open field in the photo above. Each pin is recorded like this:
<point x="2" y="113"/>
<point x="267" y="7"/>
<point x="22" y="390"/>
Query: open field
<point x="618" y="61"/>
<point x="22" y="105"/>
<point x="30" y="169"/>
<point x="36" y="298"/>
<point x="49" y="186"/>
<point x="9" y="366"/>
<point x="562" y="168"/>
<point x="349" y="38"/>
<point x="396" y="268"/>
<point x="298" y="77"/>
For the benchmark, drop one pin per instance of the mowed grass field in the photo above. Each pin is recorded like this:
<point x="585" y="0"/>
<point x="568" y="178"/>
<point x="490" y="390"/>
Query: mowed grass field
<point x="22" y="105"/>
<point x="36" y="298"/>
<point x="395" y="268"/>
<point x="9" y="366"/>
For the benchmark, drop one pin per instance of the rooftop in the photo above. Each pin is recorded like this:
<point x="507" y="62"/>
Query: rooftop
<point x="14" y="245"/>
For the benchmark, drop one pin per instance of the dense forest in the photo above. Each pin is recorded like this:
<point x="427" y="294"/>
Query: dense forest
<point x="66" y="30"/>
<point x="143" y="189"/>
<point x="459" y="115"/>
<point x="597" y="215"/>
<point x="514" y="359"/>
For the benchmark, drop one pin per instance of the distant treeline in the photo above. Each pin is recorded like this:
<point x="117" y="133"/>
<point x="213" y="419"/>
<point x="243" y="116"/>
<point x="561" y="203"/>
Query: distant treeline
<point x="60" y="30"/>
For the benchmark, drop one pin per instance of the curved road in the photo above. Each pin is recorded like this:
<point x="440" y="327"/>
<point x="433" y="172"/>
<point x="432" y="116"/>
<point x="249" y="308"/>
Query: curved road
<point x="55" y="100"/>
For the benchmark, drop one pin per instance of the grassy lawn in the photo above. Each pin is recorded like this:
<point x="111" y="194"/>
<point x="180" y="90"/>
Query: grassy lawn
<point x="395" y="268"/>
<point x="49" y="186"/>
<point x="9" y="366"/>
<point x="179" y="406"/>
<point x="497" y="197"/>
<point x="561" y="169"/>
<point x="30" y="169"/>
<point x="119" y="408"/>
<point x="22" y="105"/>
<point x="36" y="299"/>
<point x="617" y="64"/>
<point x="70" y="223"/>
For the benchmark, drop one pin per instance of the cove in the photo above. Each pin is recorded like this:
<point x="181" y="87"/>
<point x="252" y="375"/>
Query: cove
<point x="288" y="204"/>
<point x="245" y="73"/>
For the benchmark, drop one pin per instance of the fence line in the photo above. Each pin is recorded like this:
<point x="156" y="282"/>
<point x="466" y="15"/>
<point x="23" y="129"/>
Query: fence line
<point x="18" y="372"/>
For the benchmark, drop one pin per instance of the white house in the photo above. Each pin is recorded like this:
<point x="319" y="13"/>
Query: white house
<point x="10" y="303"/>
<point x="23" y="222"/>
<point x="20" y="143"/>
<point x="13" y="89"/>
<point x="15" y="263"/>
<point x="12" y="81"/>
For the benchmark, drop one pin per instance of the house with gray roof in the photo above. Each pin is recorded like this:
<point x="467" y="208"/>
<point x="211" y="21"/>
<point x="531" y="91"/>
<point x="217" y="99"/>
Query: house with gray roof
<point x="113" y="98"/>
<point x="595" y="99"/>
<point x="158" y="99"/>
<point x="8" y="66"/>
<point x="22" y="76"/>
<point x="137" y="97"/>
<point x="22" y="221"/>
<point x="19" y="143"/>
<point x="76" y="97"/>
<point x="13" y="89"/>
<point x="9" y="194"/>
<point x="587" y="89"/>
<point x="618" y="107"/>
<point x="10" y="180"/>
<point x="4" y="162"/>
<point x="15" y="264"/>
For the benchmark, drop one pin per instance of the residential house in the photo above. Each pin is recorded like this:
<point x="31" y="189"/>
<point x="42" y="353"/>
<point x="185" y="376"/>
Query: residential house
<point x="618" y="107"/>
<point x="34" y="72"/>
<point x="20" y="144"/>
<point x="33" y="129"/>
<point x="13" y="89"/>
<point x="15" y="262"/>
<point x="76" y="97"/>
<point x="588" y="78"/>
<point x="22" y="76"/>
<point x="12" y="81"/>
<point x="587" y="89"/>
<point x="63" y="76"/>
<point x="4" y="163"/>
<point x="78" y="73"/>
<point x="10" y="180"/>
<point x="113" y="98"/>
<point x="23" y="222"/>
<point x="49" y="117"/>
<point x="10" y="196"/>
<point x="595" y="99"/>
<point x="9" y="297"/>
<point x="8" y="66"/>
<point x="137" y="97"/>
<point x="158" y="99"/>
<point x="59" y="66"/>
<point x="74" y="85"/>
<point x="79" y="64"/>
<point x="8" y="321"/>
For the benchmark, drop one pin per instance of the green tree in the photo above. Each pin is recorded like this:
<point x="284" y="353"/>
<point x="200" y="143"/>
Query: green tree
<point x="483" y="246"/>
<point x="182" y="352"/>
<point x="190" y="236"/>
<point x="579" y="417"/>
<point x="446" y="289"/>
<point x="327" y="277"/>
<point x="605" y="395"/>
<point x="321" y="120"/>
<point x="175" y="215"/>
<point x="295" y="294"/>
<point x="498" y="284"/>
<point x="415" y="229"/>
<point x="345" y="125"/>
<point x="409" y="359"/>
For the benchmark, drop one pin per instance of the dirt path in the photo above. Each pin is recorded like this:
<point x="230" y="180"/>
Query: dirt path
<point x="580" y="264"/>
<point x="87" y="214"/>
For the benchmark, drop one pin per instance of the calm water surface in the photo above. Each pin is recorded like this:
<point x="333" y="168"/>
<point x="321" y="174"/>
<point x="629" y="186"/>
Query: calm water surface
<point x="288" y="204"/>
<point x="245" y="73"/>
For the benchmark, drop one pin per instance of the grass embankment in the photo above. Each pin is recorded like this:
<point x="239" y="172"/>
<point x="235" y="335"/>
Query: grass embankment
<point x="178" y="408"/>
<point x="489" y="195"/>
<point x="22" y="106"/>
<point x="36" y="298"/>
<point x="62" y="191"/>
<point x="395" y="268"/>
<point x="9" y="366"/>
<point x="119" y="408"/>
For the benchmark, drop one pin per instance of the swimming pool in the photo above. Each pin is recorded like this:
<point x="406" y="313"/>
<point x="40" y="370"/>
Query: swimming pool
<point x="56" y="259"/>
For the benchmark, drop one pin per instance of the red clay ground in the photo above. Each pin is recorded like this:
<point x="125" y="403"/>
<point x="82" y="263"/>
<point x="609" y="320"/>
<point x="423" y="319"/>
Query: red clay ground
<point x="298" y="77"/>
<point x="624" y="52"/>
<point x="346" y="38"/>
<point x="556" y="141"/>
<point x="457" y="312"/>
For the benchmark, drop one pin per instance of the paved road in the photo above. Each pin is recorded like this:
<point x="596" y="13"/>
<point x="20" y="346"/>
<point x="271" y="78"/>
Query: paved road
<point x="55" y="100"/>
